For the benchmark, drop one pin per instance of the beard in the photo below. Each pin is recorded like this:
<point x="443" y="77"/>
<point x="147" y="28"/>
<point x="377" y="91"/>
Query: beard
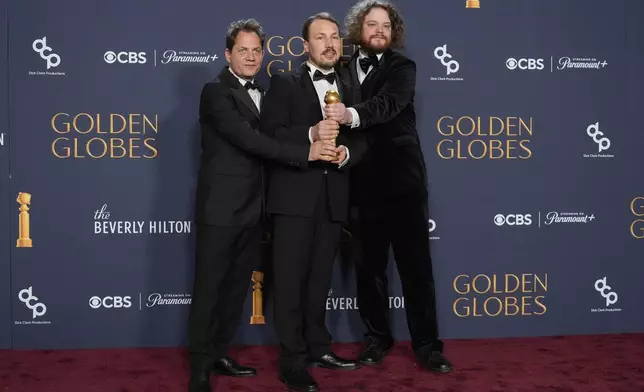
<point x="325" y="63"/>
<point x="375" y="48"/>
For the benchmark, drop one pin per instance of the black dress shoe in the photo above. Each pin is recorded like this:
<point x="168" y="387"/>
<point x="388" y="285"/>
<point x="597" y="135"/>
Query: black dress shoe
<point x="375" y="351"/>
<point x="333" y="362"/>
<point x="298" y="380"/>
<point x="436" y="362"/>
<point x="199" y="381"/>
<point x="228" y="367"/>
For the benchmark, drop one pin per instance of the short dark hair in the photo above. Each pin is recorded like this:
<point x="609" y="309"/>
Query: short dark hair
<point x="247" y="25"/>
<point x="311" y="19"/>
<point x="357" y="13"/>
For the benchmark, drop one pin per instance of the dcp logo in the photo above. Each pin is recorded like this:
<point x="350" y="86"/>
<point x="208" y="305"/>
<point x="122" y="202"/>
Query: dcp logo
<point x="594" y="132"/>
<point x="125" y="57"/>
<point x="524" y="64"/>
<point x="432" y="225"/>
<point x="441" y="54"/>
<point x="40" y="46"/>
<point x="38" y="308"/>
<point x="611" y="296"/>
<point x="110" y="302"/>
<point x="513" y="219"/>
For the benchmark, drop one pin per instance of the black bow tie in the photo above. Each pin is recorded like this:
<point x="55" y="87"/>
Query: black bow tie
<point x="253" y="85"/>
<point x="319" y="75"/>
<point x="365" y="62"/>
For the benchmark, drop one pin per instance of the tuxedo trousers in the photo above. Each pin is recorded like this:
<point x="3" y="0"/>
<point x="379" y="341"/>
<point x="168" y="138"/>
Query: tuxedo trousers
<point x="225" y="260"/>
<point x="402" y="225"/>
<point x="304" y="250"/>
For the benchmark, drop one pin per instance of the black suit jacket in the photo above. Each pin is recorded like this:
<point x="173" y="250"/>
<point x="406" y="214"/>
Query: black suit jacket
<point x="230" y="189"/>
<point x="394" y="166"/>
<point x="291" y="107"/>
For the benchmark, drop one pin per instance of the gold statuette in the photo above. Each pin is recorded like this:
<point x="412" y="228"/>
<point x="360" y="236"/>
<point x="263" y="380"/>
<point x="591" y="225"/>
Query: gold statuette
<point x="258" y="311"/>
<point x="473" y="4"/>
<point x="23" y="221"/>
<point x="330" y="97"/>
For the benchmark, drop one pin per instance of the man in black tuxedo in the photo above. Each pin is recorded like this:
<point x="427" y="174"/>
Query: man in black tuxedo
<point x="389" y="187"/>
<point x="308" y="205"/>
<point x="230" y="200"/>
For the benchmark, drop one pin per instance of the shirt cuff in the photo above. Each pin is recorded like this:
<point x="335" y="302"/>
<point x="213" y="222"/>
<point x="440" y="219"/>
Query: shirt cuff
<point x="355" y="118"/>
<point x="346" y="159"/>
<point x="310" y="136"/>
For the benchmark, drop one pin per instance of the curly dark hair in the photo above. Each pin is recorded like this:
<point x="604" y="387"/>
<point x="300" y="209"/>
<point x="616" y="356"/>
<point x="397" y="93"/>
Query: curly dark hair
<point x="249" y="26"/>
<point x="355" y="18"/>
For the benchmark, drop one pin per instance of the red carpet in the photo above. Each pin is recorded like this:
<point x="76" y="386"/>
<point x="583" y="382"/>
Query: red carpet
<point x="607" y="363"/>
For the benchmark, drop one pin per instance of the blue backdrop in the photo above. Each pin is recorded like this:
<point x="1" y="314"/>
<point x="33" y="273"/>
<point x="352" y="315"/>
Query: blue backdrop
<point x="528" y="112"/>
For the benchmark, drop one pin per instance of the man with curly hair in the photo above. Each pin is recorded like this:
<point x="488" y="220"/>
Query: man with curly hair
<point x="389" y="187"/>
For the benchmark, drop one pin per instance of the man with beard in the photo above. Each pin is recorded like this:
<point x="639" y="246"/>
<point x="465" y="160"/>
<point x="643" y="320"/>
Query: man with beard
<point x="308" y="205"/>
<point x="389" y="187"/>
<point x="229" y="204"/>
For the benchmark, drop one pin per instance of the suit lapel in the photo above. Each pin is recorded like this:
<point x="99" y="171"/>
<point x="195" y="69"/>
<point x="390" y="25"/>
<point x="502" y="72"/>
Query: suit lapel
<point x="355" y="82"/>
<point x="239" y="92"/>
<point x="375" y="74"/>
<point x="313" y="104"/>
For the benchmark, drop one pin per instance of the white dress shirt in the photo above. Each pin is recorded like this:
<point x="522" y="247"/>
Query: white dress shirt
<point x="321" y="87"/>
<point x="361" y="77"/>
<point x="255" y="95"/>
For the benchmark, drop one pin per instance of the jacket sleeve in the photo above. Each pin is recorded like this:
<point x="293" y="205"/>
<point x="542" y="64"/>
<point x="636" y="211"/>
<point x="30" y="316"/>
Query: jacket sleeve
<point x="397" y="92"/>
<point x="356" y="142"/>
<point x="220" y="115"/>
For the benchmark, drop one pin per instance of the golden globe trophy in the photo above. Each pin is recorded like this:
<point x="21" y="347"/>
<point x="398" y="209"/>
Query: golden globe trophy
<point x="23" y="221"/>
<point x="472" y="4"/>
<point x="258" y="311"/>
<point x="331" y="97"/>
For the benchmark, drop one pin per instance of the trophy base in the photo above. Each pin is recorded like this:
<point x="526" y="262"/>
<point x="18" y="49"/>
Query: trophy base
<point x="257" y="320"/>
<point x="473" y="4"/>
<point x="24" y="243"/>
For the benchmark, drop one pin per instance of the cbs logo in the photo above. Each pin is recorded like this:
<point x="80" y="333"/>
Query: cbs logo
<point x="524" y="64"/>
<point x="513" y="219"/>
<point x="125" y="57"/>
<point x="110" y="302"/>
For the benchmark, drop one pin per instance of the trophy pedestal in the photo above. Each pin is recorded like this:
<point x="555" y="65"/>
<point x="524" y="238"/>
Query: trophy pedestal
<point x="257" y="320"/>
<point x="24" y="243"/>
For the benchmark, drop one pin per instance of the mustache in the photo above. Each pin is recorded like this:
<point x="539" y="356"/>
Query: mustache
<point x="378" y="36"/>
<point x="331" y="51"/>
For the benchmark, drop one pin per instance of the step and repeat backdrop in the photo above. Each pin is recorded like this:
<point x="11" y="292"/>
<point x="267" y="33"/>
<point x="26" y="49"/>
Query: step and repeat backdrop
<point x="529" y="114"/>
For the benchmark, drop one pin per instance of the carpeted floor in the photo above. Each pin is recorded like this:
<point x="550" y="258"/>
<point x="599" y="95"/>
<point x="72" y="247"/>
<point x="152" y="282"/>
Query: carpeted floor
<point x="607" y="363"/>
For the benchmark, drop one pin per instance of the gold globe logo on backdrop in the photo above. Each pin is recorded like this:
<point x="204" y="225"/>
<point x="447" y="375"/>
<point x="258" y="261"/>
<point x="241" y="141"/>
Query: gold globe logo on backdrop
<point x="469" y="137"/>
<point x="24" y="237"/>
<point x="637" y="208"/>
<point x="281" y="49"/>
<point x="105" y="136"/>
<point x="500" y="295"/>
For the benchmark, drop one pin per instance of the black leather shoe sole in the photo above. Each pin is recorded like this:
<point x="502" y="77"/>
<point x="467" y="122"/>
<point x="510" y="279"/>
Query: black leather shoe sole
<point x="441" y="369"/>
<point x="371" y="362"/>
<point x="325" y="366"/>
<point x="310" y="388"/>
<point x="224" y="373"/>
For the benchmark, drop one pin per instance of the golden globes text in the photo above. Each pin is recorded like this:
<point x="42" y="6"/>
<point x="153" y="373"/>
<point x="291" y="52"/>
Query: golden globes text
<point x="500" y="295"/>
<point x="286" y="52"/>
<point x="468" y="137"/>
<point x="637" y="208"/>
<point x="104" y="136"/>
